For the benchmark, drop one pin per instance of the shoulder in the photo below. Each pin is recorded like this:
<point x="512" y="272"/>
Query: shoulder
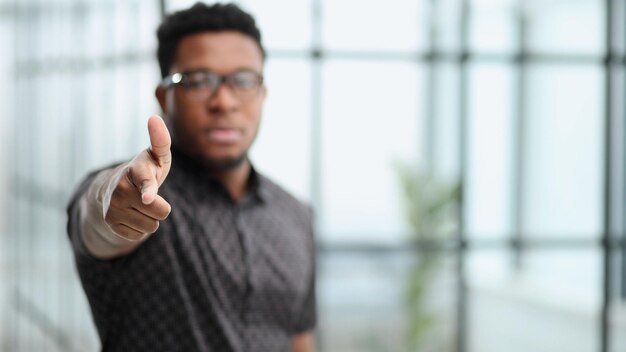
<point x="282" y="200"/>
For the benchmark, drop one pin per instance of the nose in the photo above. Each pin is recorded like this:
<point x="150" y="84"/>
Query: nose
<point x="223" y="100"/>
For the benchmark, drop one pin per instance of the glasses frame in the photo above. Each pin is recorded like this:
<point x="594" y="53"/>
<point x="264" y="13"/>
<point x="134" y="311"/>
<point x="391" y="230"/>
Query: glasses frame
<point x="178" y="78"/>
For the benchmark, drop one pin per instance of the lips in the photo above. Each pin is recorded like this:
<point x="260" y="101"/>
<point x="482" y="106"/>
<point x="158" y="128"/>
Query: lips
<point x="224" y="135"/>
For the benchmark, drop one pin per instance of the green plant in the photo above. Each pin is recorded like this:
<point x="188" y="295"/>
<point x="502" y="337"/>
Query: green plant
<point x="431" y="210"/>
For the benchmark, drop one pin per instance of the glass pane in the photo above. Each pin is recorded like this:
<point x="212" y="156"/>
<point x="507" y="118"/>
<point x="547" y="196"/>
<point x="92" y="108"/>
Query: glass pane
<point x="57" y="108"/>
<point x="95" y="38"/>
<point x="122" y="113"/>
<point x="556" y="26"/>
<point x="147" y="76"/>
<point x="551" y="305"/>
<point x="42" y="267"/>
<point x="364" y="302"/>
<point x="7" y="101"/>
<point x="563" y="146"/>
<point x="366" y="25"/>
<point x="493" y="26"/>
<point x="7" y="121"/>
<point x="488" y="267"/>
<point x="125" y="29"/>
<point x="446" y="119"/>
<point x="283" y="147"/>
<point x="618" y="327"/>
<point x="147" y="17"/>
<point x="447" y="19"/>
<point x="98" y="124"/>
<point x="283" y="24"/>
<point x="371" y="117"/>
<point x="176" y="5"/>
<point x="570" y="277"/>
<point x="490" y="155"/>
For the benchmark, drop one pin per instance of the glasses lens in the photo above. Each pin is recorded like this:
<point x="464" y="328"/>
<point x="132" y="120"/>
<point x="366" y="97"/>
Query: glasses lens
<point x="200" y="85"/>
<point x="245" y="80"/>
<point x="244" y="83"/>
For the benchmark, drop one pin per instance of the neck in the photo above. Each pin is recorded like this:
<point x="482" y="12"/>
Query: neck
<point x="235" y="180"/>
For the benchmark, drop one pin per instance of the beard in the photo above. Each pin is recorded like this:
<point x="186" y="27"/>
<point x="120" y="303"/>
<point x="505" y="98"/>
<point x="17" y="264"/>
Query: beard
<point x="223" y="164"/>
<point x="211" y="164"/>
<point x="217" y="165"/>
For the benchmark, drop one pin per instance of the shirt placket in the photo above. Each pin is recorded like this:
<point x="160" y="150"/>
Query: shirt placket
<point x="244" y="237"/>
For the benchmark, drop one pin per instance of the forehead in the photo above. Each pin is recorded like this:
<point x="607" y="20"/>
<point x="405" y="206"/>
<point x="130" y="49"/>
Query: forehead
<point x="222" y="52"/>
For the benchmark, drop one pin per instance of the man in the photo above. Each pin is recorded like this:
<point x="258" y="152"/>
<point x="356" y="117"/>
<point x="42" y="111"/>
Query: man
<point x="186" y="247"/>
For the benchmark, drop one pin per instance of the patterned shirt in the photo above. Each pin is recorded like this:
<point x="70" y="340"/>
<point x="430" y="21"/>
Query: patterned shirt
<point x="216" y="276"/>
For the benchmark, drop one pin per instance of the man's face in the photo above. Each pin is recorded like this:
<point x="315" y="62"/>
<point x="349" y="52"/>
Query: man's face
<point x="218" y="130"/>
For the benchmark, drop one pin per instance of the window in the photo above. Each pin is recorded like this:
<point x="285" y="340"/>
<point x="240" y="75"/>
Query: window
<point x="516" y="100"/>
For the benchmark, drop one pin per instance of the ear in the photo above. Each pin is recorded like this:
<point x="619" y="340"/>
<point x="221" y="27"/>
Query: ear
<point x="159" y="93"/>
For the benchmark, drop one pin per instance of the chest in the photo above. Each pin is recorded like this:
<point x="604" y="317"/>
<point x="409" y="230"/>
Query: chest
<point x="245" y="253"/>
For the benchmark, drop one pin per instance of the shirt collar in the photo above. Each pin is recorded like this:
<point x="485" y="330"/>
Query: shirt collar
<point x="257" y="188"/>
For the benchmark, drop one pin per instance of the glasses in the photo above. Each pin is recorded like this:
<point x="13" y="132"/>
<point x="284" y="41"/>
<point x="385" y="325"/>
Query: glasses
<point x="202" y="85"/>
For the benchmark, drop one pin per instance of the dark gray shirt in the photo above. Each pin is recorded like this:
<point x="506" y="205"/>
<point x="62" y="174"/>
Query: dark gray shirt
<point x="216" y="276"/>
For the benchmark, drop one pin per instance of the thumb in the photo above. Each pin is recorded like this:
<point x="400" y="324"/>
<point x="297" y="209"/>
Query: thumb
<point x="160" y="143"/>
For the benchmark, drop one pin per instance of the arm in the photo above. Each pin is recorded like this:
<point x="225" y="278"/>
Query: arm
<point x="303" y="342"/>
<point x="121" y="207"/>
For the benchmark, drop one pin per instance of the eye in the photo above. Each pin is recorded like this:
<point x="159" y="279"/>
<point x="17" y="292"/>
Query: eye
<point x="198" y="80"/>
<point x="245" y="80"/>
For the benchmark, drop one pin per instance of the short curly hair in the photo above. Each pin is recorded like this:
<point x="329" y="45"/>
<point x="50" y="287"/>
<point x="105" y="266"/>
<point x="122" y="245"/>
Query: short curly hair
<point x="202" y="18"/>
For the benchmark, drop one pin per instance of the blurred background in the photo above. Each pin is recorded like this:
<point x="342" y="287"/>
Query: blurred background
<point x="465" y="158"/>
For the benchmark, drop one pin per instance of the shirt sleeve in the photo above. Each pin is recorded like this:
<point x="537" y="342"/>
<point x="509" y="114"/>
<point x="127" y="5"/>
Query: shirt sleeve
<point x="95" y="274"/>
<point x="77" y="211"/>
<point x="74" y="213"/>
<point x="308" y="314"/>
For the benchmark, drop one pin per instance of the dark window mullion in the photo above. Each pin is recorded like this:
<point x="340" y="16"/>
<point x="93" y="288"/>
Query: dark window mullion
<point x="462" y="292"/>
<point x="519" y="116"/>
<point x="608" y="170"/>
<point x="431" y="96"/>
